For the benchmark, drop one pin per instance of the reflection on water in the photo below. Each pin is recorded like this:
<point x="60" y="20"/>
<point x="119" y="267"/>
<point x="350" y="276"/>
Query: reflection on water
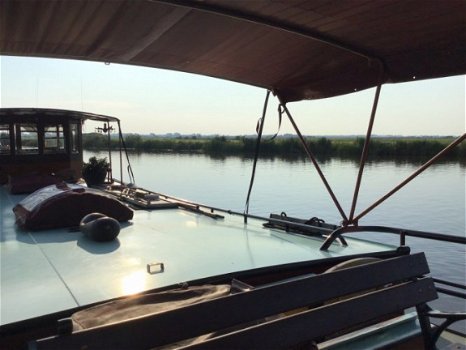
<point x="434" y="201"/>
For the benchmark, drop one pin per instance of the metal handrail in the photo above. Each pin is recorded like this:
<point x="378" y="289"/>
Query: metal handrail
<point x="450" y="284"/>
<point x="337" y="234"/>
<point x="450" y="292"/>
<point x="394" y="230"/>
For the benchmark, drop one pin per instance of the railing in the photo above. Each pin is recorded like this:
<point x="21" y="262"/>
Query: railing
<point x="393" y="230"/>
<point x="440" y="284"/>
<point x="450" y="292"/>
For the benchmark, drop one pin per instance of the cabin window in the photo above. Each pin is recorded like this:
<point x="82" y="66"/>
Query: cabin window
<point x="74" y="142"/>
<point x="4" y="139"/>
<point x="27" y="138"/>
<point x="54" y="139"/>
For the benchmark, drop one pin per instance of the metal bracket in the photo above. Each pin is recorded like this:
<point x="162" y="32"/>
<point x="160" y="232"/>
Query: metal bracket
<point x="153" y="268"/>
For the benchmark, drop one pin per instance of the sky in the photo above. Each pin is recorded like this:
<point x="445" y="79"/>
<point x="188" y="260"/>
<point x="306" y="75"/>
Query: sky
<point x="149" y="100"/>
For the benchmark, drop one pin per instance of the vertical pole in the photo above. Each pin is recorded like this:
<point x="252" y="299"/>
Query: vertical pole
<point x="121" y="155"/>
<point x="316" y="165"/>
<point x="12" y="138"/>
<point x="110" y="175"/>
<point x="364" y="154"/>
<point x="423" y="316"/>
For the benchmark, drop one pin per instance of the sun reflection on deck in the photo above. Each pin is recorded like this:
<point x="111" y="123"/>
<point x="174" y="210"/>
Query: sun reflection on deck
<point x="134" y="283"/>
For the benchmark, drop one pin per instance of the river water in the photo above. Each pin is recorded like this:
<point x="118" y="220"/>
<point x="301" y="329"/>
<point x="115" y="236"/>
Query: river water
<point x="433" y="202"/>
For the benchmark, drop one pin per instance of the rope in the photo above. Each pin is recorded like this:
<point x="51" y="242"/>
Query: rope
<point x="315" y="221"/>
<point x="280" y="114"/>
<point x="129" y="169"/>
<point x="259" y="129"/>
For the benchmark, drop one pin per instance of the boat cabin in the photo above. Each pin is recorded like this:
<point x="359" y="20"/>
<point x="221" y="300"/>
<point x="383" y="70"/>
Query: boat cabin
<point x="35" y="141"/>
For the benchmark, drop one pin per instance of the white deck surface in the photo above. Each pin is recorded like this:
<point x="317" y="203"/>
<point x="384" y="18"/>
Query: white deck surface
<point x="48" y="271"/>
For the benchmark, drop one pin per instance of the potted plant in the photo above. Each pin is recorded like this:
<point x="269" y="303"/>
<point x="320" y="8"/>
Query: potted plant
<point x="95" y="171"/>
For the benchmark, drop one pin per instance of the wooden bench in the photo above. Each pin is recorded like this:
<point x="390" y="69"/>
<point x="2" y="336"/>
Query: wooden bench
<point x="315" y="306"/>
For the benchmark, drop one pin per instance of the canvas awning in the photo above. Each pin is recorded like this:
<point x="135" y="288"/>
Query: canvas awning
<point x="12" y="113"/>
<point x="299" y="49"/>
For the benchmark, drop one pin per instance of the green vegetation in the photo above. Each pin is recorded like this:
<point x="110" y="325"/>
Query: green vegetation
<point x="323" y="147"/>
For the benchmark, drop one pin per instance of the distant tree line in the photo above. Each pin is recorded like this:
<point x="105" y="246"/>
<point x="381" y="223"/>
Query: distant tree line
<point x="323" y="147"/>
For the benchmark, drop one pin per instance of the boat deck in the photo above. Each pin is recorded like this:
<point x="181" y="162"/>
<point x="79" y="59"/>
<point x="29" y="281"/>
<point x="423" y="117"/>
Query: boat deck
<point x="53" y="270"/>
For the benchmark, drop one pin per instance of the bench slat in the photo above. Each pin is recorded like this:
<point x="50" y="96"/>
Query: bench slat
<point x="315" y="323"/>
<point x="217" y="314"/>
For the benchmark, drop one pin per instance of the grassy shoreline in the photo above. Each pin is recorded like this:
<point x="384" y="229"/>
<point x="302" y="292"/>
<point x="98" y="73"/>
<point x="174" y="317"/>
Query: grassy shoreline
<point x="323" y="147"/>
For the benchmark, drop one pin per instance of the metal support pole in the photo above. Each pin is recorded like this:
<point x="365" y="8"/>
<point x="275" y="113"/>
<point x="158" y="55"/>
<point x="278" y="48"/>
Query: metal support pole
<point x="413" y="175"/>
<point x="121" y="154"/>
<point x="110" y="173"/>
<point x="365" y="152"/>
<point x="314" y="161"/>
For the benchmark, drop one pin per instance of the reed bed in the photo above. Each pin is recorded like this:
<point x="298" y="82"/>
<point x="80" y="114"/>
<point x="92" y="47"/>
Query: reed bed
<point x="323" y="147"/>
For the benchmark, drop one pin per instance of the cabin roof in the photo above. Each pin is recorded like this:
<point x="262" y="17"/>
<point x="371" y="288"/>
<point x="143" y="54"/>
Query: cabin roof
<point x="49" y="112"/>
<point x="299" y="49"/>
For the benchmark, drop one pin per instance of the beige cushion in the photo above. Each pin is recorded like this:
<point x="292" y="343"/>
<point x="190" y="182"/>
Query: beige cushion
<point x="141" y="305"/>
